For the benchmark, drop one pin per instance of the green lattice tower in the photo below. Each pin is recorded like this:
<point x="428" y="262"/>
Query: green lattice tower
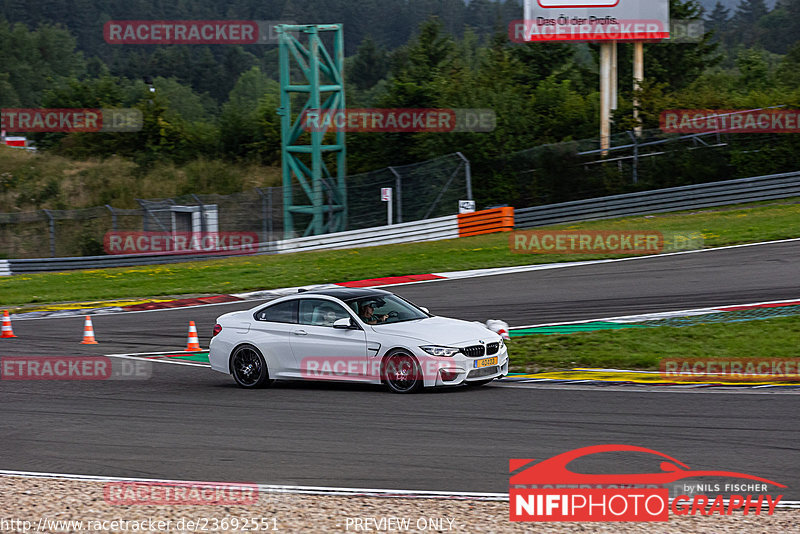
<point x="324" y="190"/>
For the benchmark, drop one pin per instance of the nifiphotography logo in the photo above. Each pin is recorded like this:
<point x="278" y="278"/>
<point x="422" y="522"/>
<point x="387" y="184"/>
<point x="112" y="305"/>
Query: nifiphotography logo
<point x="549" y="491"/>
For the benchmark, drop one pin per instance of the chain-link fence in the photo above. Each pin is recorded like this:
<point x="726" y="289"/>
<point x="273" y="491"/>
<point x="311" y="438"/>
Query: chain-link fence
<point x="420" y="191"/>
<point x="57" y="233"/>
<point x="542" y="175"/>
<point x="578" y="170"/>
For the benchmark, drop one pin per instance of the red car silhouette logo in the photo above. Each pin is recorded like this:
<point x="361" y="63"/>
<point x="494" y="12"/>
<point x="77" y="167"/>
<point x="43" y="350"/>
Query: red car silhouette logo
<point x="553" y="471"/>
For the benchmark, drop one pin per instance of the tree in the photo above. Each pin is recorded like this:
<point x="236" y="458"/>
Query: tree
<point x="781" y="26"/>
<point x="182" y="102"/>
<point x="718" y="19"/>
<point x="788" y="73"/>
<point x="428" y="54"/>
<point x="369" y="66"/>
<point x="242" y="122"/>
<point x="678" y="64"/>
<point x="746" y="21"/>
<point x="33" y="59"/>
<point x="753" y="69"/>
<point x="749" y="12"/>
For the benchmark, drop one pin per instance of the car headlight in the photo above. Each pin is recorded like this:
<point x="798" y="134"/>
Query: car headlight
<point x="502" y="344"/>
<point x="436" y="350"/>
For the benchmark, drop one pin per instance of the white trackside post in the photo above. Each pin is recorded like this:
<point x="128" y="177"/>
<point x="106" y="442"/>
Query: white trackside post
<point x="386" y="196"/>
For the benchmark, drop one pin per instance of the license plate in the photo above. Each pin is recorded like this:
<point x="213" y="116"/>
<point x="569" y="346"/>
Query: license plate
<point x="486" y="362"/>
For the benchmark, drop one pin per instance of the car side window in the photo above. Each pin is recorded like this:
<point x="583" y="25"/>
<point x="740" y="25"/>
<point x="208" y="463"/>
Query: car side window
<point x="283" y="312"/>
<point x="319" y="312"/>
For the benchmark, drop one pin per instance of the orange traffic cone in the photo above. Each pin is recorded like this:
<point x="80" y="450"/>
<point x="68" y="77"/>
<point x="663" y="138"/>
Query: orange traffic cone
<point x="88" y="332"/>
<point x="192" y="343"/>
<point x="7" y="331"/>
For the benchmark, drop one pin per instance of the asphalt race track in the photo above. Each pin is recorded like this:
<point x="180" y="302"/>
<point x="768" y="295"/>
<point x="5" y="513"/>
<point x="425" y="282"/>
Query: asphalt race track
<point x="191" y="423"/>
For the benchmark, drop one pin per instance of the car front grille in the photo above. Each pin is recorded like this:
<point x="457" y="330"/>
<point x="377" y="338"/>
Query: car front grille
<point x="475" y="351"/>
<point x="485" y="371"/>
<point x="492" y="348"/>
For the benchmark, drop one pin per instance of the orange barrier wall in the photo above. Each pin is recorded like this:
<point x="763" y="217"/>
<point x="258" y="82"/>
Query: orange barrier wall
<point x="486" y="222"/>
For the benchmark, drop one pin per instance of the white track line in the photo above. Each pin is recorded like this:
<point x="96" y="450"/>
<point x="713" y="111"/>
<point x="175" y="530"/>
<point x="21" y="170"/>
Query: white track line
<point x="454" y="275"/>
<point x="142" y="356"/>
<point x="278" y="488"/>
<point x="659" y="315"/>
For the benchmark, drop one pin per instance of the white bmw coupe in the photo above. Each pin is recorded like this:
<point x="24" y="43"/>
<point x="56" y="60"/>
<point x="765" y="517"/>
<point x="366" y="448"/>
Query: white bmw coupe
<point x="361" y="335"/>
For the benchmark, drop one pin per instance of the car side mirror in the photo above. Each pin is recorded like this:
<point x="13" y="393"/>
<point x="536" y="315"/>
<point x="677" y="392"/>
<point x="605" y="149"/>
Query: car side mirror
<point x="426" y="310"/>
<point x="344" y="323"/>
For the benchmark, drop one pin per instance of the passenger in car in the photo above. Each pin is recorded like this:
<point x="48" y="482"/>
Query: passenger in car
<point x="325" y="316"/>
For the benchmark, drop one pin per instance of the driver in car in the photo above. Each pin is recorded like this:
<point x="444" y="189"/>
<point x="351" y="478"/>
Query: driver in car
<point x="367" y="314"/>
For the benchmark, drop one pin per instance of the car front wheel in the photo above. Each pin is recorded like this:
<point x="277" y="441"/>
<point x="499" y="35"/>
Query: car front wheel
<point x="401" y="373"/>
<point x="249" y="368"/>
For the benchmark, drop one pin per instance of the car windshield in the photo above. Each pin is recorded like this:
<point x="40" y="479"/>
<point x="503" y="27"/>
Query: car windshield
<point x="385" y="309"/>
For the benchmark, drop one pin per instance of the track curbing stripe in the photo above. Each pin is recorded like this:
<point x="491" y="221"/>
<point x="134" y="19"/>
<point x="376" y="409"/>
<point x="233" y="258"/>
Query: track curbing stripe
<point x="428" y="278"/>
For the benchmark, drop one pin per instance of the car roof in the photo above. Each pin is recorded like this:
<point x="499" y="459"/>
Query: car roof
<point x="346" y="293"/>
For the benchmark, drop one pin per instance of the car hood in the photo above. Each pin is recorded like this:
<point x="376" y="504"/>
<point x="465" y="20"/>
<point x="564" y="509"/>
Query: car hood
<point x="439" y="331"/>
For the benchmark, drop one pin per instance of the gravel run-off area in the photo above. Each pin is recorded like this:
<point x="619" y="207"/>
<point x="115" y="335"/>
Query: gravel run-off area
<point x="46" y="504"/>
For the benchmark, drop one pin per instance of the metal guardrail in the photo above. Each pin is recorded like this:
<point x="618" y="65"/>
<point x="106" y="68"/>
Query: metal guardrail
<point x="663" y="200"/>
<point x="429" y="230"/>
<point x="101" y="262"/>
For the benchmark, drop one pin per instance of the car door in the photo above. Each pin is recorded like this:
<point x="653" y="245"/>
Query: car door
<point x="325" y="352"/>
<point x="272" y="331"/>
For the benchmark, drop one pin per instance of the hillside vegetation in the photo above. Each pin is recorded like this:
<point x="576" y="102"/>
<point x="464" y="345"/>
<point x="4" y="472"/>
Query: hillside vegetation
<point x="45" y="181"/>
<point x="210" y="123"/>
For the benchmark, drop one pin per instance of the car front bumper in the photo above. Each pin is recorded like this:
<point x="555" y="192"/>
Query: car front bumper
<point x="460" y="369"/>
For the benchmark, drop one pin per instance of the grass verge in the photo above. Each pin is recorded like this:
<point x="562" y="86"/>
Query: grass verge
<point x="720" y="226"/>
<point x="643" y="348"/>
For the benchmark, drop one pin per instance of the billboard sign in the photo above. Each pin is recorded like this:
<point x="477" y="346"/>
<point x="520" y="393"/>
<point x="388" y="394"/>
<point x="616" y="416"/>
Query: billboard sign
<point x="592" y="20"/>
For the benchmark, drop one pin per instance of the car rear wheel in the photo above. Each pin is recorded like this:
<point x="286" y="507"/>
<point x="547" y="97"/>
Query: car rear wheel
<point x="401" y="373"/>
<point x="249" y="368"/>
